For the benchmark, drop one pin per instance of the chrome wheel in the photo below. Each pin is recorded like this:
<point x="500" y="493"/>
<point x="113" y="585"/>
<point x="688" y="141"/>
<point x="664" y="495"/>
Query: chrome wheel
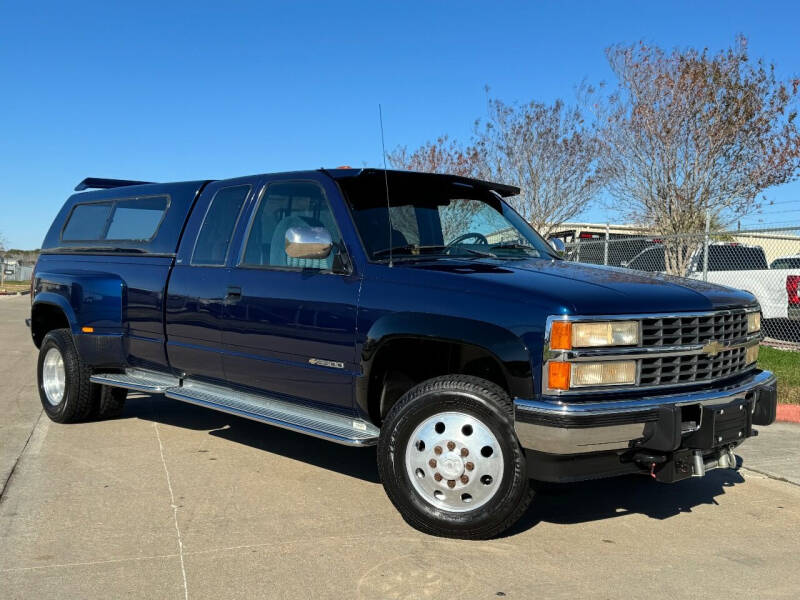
<point x="454" y="461"/>
<point x="53" y="376"/>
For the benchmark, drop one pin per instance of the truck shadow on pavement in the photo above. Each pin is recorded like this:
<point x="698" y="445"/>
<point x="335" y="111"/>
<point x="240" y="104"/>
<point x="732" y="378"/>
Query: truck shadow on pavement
<point x="632" y="494"/>
<point x="359" y="463"/>
<point x="562" y="504"/>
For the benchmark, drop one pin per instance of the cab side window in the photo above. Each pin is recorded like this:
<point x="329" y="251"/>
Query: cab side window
<point x="216" y="231"/>
<point x="284" y="205"/>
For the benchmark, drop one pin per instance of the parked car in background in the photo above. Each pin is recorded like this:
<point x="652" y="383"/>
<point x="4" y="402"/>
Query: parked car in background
<point x="318" y="302"/>
<point x="786" y="262"/>
<point x="744" y="267"/>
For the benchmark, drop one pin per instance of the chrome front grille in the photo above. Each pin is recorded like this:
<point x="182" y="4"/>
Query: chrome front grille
<point x="672" y="351"/>
<point x="691" y="368"/>
<point x="678" y="331"/>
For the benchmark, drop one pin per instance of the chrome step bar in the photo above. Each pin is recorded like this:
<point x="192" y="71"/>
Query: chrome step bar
<point x="272" y="411"/>
<point x="141" y="380"/>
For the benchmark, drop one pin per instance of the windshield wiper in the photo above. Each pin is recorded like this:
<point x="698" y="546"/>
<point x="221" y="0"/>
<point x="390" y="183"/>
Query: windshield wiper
<point x="415" y="251"/>
<point x="477" y="252"/>
<point x="527" y="249"/>
<point x="406" y="249"/>
<point x="511" y="246"/>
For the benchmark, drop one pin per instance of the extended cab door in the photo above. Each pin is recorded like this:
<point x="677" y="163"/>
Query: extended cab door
<point x="198" y="287"/>
<point x="291" y="330"/>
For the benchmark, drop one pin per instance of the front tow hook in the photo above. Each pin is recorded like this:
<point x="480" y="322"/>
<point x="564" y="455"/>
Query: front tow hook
<point x="725" y="459"/>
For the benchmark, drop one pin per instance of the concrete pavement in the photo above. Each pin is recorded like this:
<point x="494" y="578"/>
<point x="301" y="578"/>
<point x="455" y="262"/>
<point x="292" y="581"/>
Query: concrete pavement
<point x="775" y="452"/>
<point x="174" y="501"/>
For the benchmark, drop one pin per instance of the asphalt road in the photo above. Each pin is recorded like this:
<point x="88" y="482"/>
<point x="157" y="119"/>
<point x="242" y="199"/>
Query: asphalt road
<point x="174" y="501"/>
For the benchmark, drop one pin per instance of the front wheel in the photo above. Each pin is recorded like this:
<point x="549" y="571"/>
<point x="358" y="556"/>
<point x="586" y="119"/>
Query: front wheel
<point x="450" y="461"/>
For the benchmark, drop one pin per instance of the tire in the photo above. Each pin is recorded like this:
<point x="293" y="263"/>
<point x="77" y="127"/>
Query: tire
<point x="66" y="393"/>
<point x="456" y="417"/>
<point x="110" y="403"/>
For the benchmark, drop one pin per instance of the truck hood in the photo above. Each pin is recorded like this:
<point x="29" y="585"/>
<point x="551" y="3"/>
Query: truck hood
<point x="576" y="288"/>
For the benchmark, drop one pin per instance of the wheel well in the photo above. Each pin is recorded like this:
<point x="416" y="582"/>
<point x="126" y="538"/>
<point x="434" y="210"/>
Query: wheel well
<point x="45" y="318"/>
<point x="403" y="363"/>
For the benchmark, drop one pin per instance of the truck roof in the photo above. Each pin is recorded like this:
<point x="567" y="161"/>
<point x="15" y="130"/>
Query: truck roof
<point x="124" y="215"/>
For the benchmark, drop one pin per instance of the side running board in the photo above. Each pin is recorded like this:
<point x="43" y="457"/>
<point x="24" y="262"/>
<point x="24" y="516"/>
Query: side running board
<point x="272" y="411"/>
<point x="140" y="380"/>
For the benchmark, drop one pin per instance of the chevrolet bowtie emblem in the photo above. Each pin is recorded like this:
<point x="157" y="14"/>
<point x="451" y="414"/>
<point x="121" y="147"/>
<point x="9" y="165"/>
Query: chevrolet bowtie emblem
<point x="713" y="348"/>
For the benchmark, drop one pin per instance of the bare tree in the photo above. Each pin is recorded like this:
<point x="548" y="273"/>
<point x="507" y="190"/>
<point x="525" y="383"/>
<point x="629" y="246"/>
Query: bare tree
<point x="687" y="132"/>
<point x="544" y="149"/>
<point x="440" y="156"/>
<point x="548" y="152"/>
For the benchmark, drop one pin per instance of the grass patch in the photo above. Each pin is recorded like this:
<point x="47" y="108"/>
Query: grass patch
<point x="15" y="286"/>
<point x="786" y="365"/>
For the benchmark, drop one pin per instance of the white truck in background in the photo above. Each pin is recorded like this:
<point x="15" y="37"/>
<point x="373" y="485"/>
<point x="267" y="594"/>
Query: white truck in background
<point x="746" y="268"/>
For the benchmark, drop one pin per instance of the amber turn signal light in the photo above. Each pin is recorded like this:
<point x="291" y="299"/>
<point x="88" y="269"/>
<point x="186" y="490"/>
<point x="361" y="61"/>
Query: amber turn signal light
<point x="87" y="329"/>
<point x="561" y="335"/>
<point x="558" y="375"/>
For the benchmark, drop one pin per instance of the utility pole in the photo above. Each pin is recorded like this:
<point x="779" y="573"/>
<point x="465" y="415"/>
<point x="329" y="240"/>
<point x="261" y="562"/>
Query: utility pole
<point x="705" y="247"/>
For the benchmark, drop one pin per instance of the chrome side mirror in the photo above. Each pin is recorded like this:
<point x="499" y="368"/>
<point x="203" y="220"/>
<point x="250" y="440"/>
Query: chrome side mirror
<point x="558" y="244"/>
<point x="308" y="242"/>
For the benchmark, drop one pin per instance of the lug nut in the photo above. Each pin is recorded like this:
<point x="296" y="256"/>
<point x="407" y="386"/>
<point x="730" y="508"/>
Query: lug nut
<point x="464" y="479"/>
<point x="469" y="466"/>
<point x="451" y="483"/>
<point x="437" y="476"/>
<point x="432" y="463"/>
<point x="438" y="450"/>
<point x="451" y="445"/>
<point x="464" y="452"/>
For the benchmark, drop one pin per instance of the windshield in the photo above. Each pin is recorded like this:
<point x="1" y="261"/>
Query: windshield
<point x="440" y="221"/>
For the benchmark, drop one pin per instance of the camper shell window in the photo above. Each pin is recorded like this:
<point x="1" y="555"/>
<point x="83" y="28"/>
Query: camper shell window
<point x="127" y="219"/>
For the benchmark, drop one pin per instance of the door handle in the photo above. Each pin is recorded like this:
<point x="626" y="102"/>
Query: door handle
<point x="234" y="292"/>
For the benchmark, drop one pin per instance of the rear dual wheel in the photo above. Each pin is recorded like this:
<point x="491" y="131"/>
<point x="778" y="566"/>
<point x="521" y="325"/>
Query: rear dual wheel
<point x="65" y="390"/>
<point x="450" y="460"/>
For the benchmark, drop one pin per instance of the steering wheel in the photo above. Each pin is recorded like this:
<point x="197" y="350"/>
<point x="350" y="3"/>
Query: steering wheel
<point x="479" y="239"/>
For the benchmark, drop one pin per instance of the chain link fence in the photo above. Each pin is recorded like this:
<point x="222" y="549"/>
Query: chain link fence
<point x="764" y="262"/>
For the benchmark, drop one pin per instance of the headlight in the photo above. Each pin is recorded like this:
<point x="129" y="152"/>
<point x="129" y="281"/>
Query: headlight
<point x="565" y="335"/>
<point x="752" y="355"/>
<point x="564" y="375"/>
<point x="753" y="322"/>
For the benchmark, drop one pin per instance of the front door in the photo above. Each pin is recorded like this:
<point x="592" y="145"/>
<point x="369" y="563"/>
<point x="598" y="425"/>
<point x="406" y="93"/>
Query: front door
<point x="291" y="331"/>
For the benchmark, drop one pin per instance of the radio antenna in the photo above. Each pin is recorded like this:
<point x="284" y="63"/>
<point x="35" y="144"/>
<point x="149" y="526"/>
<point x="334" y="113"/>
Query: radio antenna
<point x="386" y="182"/>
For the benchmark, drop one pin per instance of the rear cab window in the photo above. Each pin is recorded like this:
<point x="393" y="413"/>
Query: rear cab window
<point x="214" y="237"/>
<point x="736" y="258"/>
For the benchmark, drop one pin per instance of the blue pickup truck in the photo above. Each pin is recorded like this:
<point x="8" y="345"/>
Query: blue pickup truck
<point x="412" y="311"/>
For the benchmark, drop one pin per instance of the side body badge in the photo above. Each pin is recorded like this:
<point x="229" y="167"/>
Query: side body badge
<point x="333" y="364"/>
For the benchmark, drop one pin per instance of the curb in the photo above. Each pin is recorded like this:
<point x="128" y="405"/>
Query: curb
<point x="789" y="413"/>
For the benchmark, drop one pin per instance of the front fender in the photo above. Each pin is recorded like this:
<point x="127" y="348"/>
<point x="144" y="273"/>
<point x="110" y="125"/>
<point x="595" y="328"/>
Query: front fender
<point x="509" y="350"/>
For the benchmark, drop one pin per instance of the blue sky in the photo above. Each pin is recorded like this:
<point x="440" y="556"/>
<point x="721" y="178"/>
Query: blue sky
<point x="172" y="91"/>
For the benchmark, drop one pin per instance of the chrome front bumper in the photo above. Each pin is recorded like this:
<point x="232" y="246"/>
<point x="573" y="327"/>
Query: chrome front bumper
<point x="556" y="427"/>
